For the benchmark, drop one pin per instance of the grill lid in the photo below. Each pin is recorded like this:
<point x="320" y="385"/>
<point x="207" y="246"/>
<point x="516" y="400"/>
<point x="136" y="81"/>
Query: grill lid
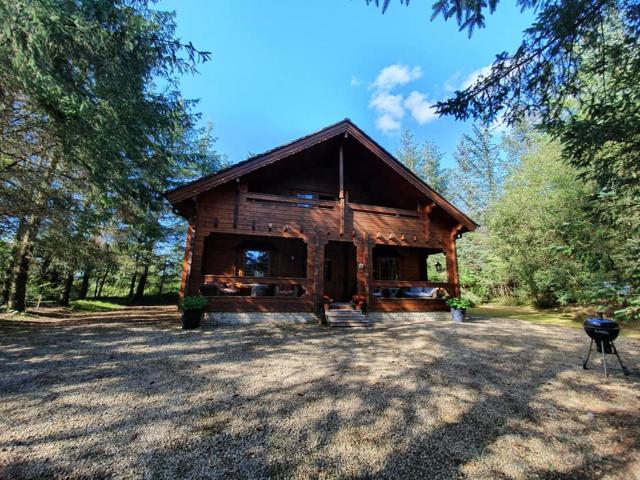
<point x="600" y="323"/>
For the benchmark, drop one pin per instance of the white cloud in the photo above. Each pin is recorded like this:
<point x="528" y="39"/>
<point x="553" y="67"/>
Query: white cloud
<point x="475" y="76"/>
<point x="355" y="81"/>
<point x="387" y="123"/>
<point x="421" y="110"/>
<point x="387" y="104"/>
<point x="394" y="75"/>
<point x="391" y="105"/>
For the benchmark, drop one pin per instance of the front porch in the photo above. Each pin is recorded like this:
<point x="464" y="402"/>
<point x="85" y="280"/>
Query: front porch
<point x="257" y="273"/>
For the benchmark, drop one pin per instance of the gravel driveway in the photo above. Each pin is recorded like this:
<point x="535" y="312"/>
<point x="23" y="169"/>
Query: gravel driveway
<point x="128" y="394"/>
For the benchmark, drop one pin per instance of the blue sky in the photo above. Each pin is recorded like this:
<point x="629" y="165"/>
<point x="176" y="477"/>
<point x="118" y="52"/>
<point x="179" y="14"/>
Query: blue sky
<point x="283" y="69"/>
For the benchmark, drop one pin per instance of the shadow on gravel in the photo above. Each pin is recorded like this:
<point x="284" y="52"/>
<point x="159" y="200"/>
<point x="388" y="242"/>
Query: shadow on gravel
<point x="134" y="396"/>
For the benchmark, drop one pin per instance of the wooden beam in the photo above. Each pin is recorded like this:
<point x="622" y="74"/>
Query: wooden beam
<point x="188" y="253"/>
<point x="341" y="199"/>
<point x="426" y="219"/>
<point x="341" y="158"/>
<point x="236" y="204"/>
<point x="452" y="260"/>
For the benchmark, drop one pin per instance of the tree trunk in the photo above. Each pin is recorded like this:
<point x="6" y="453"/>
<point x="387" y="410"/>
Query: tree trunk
<point x="21" y="264"/>
<point x="133" y="284"/>
<point x="24" y="242"/>
<point x="8" y="284"/>
<point x="142" y="283"/>
<point x="162" y="278"/>
<point x="95" y="290"/>
<point x="84" y="286"/>
<point x="66" y="292"/>
<point x="102" y="280"/>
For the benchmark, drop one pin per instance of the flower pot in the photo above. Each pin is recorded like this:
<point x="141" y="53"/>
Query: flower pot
<point x="191" y="319"/>
<point x="458" y="315"/>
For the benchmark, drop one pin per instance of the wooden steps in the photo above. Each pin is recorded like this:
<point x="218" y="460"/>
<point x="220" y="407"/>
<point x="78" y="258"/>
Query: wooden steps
<point x="343" y="315"/>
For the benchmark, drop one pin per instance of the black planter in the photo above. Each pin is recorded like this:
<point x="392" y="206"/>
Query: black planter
<point x="191" y="319"/>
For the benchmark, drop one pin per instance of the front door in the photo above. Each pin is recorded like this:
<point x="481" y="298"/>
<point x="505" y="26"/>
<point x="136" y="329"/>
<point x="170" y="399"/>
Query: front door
<point x="340" y="268"/>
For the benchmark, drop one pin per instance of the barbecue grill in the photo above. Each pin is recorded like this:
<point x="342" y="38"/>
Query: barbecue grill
<point x="603" y="332"/>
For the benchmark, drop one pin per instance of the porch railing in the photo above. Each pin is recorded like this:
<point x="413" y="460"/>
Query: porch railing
<point x="399" y="285"/>
<point x="250" y="284"/>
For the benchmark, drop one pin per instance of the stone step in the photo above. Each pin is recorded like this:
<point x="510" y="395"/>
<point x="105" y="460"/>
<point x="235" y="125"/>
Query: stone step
<point x="347" y="318"/>
<point x="345" y="312"/>
<point x="340" y="306"/>
<point x="349" y="324"/>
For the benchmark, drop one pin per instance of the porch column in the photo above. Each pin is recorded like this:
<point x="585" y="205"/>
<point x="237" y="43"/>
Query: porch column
<point x="341" y="195"/>
<point x="186" y="261"/>
<point x="196" y="262"/>
<point x="364" y="259"/>
<point x="452" y="260"/>
<point x="315" y="268"/>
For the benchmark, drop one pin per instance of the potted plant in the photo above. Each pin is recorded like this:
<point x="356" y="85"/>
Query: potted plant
<point x="192" y="308"/>
<point x="359" y="302"/>
<point x="326" y="301"/>
<point x="459" y="307"/>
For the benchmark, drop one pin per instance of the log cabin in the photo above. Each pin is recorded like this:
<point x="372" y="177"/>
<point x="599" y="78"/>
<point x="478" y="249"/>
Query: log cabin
<point x="328" y="216"/>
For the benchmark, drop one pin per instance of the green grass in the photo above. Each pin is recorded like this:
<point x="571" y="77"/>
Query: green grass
<point x="552" y="316"/>
<point x="93" y="306"/>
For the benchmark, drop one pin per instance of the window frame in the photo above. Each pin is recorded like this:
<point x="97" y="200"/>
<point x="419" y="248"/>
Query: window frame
<point x="390" y="260"/>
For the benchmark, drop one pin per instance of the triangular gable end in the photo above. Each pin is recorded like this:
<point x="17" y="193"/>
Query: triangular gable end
<point x="345" y="127"/>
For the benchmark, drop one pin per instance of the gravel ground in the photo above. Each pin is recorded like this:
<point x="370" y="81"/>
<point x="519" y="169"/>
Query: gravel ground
<point x="128" y="394"/>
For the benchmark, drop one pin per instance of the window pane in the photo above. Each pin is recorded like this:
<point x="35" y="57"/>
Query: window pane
<point x="257" y="263"/>
<point x="388" y="268"/>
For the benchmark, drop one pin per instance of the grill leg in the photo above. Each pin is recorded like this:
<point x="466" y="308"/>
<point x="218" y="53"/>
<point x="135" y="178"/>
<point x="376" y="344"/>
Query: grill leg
<point x="625" y="370"/>
<point x="584" y="364"/>
<point x="604" y="359"/>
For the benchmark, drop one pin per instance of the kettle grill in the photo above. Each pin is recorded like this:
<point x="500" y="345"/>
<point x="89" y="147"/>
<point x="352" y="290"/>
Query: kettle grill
<point x="603" y="331"/>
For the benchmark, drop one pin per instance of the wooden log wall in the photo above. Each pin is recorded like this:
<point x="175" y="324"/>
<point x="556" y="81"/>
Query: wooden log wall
<point x="233" y="209"/>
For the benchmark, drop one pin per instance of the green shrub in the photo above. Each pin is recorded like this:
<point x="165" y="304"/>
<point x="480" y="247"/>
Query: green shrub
<point x="460" y="303"/>
<point x="193" y="303"/>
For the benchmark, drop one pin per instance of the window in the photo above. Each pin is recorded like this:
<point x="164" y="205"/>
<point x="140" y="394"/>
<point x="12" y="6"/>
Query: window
<point x="256" y="263"/>
<point x="306" y="196"/>
<point x="388" y="268"/>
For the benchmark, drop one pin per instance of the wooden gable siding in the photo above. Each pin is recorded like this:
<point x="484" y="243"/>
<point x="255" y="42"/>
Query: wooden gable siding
<point x="280" y="216"/>
<point x="345" y="128"/>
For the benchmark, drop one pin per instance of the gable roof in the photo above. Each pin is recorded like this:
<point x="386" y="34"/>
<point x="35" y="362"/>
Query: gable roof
<point x="269" y="157"/>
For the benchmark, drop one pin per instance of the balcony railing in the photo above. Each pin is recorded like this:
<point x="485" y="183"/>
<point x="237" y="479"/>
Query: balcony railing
<point x="375" y="209"/>
<point x="290" y="201"/>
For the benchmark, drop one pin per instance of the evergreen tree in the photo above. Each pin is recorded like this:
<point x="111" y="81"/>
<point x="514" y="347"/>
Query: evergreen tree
<point x="423" y="160"/>
<point x="84" y="119"/>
